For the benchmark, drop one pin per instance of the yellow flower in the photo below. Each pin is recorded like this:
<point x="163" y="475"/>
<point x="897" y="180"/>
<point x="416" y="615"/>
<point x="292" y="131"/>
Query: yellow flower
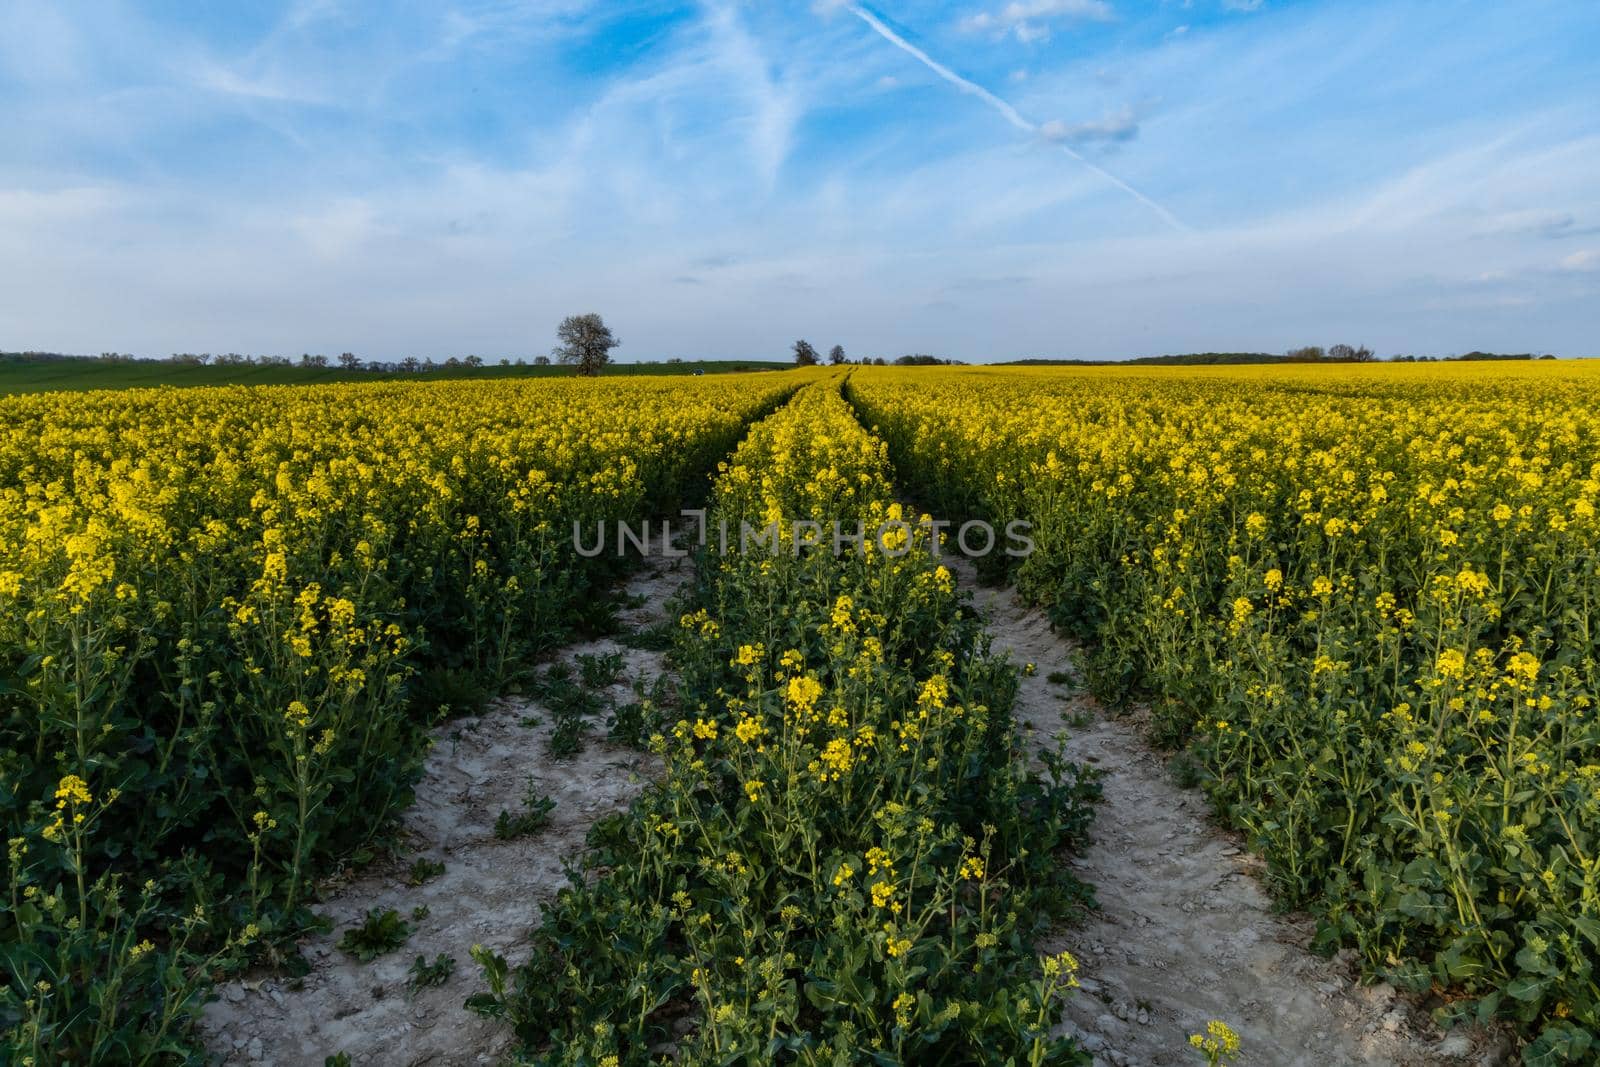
<point x="804" y="692"/>
<point x="838" y="757"/>
<point x="1061" y="969"/>
<point x="1451" y="663"/>
<point x="1218" y="1043"/>
<point x="72" y="790"/>
<point x="297" y="715"/>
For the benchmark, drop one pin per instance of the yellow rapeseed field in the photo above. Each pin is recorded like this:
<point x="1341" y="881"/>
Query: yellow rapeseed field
<point x="1360" y="600"/>
<point x="227" y="617"/>
<point x="1366" y="594"/>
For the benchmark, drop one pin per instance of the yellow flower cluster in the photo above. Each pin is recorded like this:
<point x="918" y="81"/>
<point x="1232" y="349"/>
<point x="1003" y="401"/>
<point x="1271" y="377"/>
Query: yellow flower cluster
<point x="1219" y="1044"/>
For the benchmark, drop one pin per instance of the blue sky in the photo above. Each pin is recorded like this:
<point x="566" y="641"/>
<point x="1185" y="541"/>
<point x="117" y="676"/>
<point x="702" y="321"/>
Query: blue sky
<point x="988" y="179"/>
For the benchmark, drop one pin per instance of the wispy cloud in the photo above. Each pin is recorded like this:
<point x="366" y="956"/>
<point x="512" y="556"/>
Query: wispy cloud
<point x="339" y="229"/>
<point x="1029" y="20"/>
<point x="1009" y="113"/>
<point x="1585" y="260"/>
<point x="773" y="105"/>
<point x="1552" y="226"/>
<point x="1121" y="125"/>
<point x="222" y="80"/>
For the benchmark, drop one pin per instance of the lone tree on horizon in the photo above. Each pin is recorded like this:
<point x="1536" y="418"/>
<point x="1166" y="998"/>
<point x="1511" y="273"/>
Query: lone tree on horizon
<point x="836" y="355"/>
<point x="586" y="343"/>
<point x="804" y="354"/>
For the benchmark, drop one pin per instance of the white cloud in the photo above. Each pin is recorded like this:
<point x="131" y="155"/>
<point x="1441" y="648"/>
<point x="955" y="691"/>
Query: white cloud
<point x="20" y="208"/>
<point x="1585" y="260"/>
<point x="1028" y="20"/>
<point x="1120" y="125"/>
<point x="342" y="228"/>
<point x="222" y="80"/>
<point x="1242" y="5"/>
<point x="773" y="106"/>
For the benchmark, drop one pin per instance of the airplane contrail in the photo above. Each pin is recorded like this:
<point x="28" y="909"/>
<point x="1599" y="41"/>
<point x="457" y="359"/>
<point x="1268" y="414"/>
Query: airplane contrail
<point x="1009" y="113"/>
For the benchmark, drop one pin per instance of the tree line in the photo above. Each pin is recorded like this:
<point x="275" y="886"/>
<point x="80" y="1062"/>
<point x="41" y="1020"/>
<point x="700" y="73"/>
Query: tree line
<point x="805" y="355"/>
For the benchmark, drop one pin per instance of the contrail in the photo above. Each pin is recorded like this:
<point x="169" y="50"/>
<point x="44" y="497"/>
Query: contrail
<point x="1009" y="113"/>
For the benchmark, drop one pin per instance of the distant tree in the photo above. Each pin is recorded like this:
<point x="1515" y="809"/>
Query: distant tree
<point x="836" y="355"/>
<point x="308" y="360"/>
<point x="410" y="364"/>
<point x="541" y="361"/>
<point x="877" y="361"/>
<point x="505" y="361"/>
<point x="349" y="360"/>
<point x="1308" y="354"/>
<point x="1346" y="354"/>
<point x="804" y="354"/>
<point x="586" y="343"/>
<point x="473" y="361"/>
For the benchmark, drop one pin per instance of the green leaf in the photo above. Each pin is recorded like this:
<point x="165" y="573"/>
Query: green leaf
<point x="1526" y="988"/>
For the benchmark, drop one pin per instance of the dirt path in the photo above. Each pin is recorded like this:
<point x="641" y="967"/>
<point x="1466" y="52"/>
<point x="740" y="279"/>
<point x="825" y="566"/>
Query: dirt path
<point x="1185" y="932"/>
<point x="486" y="894"/>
